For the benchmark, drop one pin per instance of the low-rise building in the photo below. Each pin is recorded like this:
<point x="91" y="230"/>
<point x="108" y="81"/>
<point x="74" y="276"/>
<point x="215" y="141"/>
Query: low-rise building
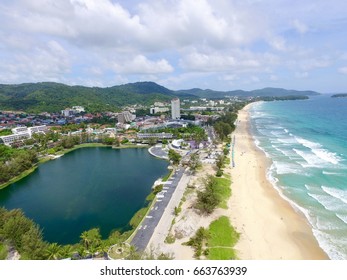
<point x="161" y="135"/>
<point x="22" y="133"/>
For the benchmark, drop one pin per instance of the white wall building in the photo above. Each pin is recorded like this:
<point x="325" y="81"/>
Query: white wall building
<point x="175" y="109"/>
<point x="21" y="133"/>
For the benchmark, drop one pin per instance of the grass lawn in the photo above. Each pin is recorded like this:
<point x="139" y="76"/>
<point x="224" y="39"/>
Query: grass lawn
<point x="167" y="176"/>
<point x="221" y="254"/>
<point x="3" y="252"/>
<point x="222" y="237"/>
<point x="223" y="190"/>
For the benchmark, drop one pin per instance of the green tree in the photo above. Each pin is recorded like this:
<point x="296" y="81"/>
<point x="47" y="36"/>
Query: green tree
<point x="53" y="251"/>
<point x="174" y="157"/>
<point x="194" y="162"/>
<point x="91" y="238"/>
<point x="208" y="199"/>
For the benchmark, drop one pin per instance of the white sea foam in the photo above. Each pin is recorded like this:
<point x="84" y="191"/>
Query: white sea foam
<point x="307" y="143"/>
<point x="331" y="173"/>
<point x="337" y="193"/>
<point x="287" y="140"/>
<point x="286" y="168"/>
<point x="310" y="158"/>
<point x="326" y="155"/>
<point x="342" y="217"/>
<point x="319" y="151"/>
<point x="327" y="243"/>
<point x="328" y="202"/>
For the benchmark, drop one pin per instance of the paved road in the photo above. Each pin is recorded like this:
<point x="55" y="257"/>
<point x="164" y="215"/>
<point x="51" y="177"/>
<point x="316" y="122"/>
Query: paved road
<point x="145" y="231"/>
<point x="159" y="152"/>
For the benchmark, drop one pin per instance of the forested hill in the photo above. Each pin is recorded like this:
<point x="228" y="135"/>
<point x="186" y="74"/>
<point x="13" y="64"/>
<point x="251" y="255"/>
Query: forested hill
<point x="53" y="97"/>
<point x="339" y="95"/>
<point x="265" y="92"/>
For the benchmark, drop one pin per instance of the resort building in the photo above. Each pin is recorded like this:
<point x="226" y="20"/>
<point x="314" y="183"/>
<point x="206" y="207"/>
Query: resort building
<point x="175" y="109"/>
<point x="22" y="133"/>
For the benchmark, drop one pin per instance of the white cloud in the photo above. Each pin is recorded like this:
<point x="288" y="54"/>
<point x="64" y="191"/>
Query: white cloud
<point x="300" y="26"/>
<point x="301" y="75"/>
<point x="141" y="64"/>
<point x="278" y="43"/>
<point x="48" y="63"/>
<point x="192" y="42"/>
<point x="343" y="70"/>
<point x="273" y="78"/>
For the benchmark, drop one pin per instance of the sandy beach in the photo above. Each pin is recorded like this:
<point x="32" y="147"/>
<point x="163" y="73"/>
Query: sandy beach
<point x="270" y="228"/>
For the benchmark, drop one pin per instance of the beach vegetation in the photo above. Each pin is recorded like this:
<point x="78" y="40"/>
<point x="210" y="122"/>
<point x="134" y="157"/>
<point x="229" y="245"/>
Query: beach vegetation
<point x="219" y="173"/>
<point x="198" y="242"/>
<point x="221" y="239"/>
<point x="194" y="162"/>
<point x="208" y="199"/>
<point x="170" y="239"/>
<point x="223" y="191"/>
<point x="216" y="242"/>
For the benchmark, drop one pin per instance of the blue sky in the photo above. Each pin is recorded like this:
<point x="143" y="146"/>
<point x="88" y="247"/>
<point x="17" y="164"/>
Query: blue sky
<point x="180" y="44"/>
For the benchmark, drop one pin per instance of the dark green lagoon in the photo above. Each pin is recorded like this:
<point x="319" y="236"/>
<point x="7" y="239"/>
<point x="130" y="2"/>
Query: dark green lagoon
<point x="86" y="188"/>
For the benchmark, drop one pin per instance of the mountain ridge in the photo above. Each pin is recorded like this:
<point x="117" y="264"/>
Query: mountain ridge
<point x="53" y="97"/>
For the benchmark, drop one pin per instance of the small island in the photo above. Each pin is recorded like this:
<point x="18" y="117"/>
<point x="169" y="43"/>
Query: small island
<point x="339" y="95"/>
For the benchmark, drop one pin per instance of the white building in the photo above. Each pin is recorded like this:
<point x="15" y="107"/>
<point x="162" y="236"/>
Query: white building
<point x="78" y="109"/>
<point x="22" y="133"/>
<point x="126" y="117"/>
<point x="159" y="104"/>
<point x="175" y="109"/>
<point x="68" y="112"/>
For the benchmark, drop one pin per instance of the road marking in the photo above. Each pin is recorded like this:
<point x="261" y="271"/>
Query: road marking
<point x="149" y="217"/>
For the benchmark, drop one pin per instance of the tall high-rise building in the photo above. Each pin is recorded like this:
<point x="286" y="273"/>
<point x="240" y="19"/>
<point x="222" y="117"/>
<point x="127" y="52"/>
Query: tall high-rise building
<point x="175" y="109"/>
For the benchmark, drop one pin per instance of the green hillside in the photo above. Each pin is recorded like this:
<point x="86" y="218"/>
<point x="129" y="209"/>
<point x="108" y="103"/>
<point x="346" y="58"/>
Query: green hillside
<point x="53" y="97"/>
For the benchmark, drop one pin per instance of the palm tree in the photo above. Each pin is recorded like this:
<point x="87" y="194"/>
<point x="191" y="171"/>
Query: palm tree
<point x="53" y="251"/>
<point x="85" y="239"/>
<point x="66" y="251"/>
<point x="91" y="237"/>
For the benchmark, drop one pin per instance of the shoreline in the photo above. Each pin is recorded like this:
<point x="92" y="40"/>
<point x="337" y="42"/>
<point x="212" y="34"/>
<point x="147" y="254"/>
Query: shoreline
<point x="269" y="225"/>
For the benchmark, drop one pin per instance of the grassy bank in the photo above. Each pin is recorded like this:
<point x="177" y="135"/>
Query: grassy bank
<point x="19" y="177"/>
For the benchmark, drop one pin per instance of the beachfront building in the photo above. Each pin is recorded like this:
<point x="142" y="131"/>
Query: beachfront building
<point x="175" y="109"/>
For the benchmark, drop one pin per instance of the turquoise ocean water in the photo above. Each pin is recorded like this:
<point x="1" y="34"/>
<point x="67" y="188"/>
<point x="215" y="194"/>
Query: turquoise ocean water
<point x="307" y="143"/>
